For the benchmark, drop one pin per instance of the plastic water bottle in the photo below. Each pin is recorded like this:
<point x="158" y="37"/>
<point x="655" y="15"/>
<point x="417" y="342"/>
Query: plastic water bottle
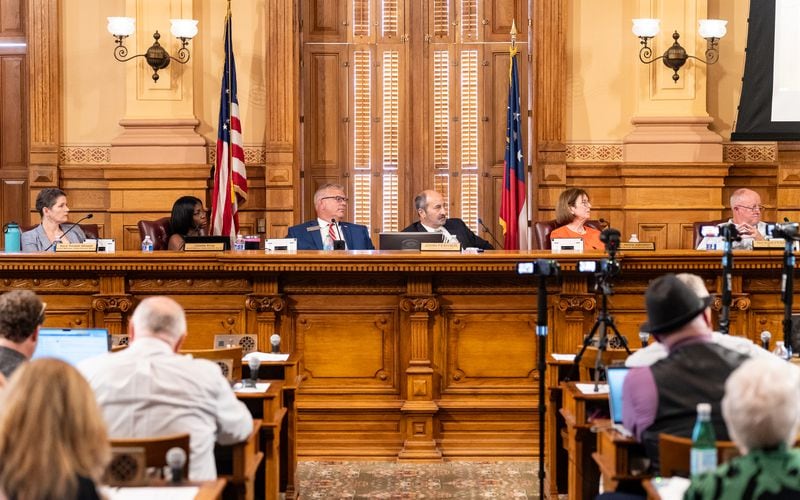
<point x="780" y="350"/>
<point x="634" y="238"/>
<point x="704" y="447"/>
<point x="238" y="244"/>
<point x="147" y="244"/>
<point x="11" y="237"/>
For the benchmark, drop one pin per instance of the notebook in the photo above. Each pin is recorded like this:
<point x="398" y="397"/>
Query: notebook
<point x="72" y="344"/>
<point x="616" y="377"/>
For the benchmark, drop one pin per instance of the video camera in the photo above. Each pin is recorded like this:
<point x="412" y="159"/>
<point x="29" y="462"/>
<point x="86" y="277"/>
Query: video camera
<point x="787" y="231"/>
<point x="541" y="267"/>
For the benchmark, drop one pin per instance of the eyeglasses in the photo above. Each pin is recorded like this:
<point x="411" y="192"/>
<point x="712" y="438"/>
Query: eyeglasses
<point x="754" y="208"/>
<point x="339" y="199"/>
<point x="585" y="203"/>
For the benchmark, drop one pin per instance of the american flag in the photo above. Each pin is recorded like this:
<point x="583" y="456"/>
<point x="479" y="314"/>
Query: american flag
<point x="513" y="207"/>
<point x="230" y="174"/>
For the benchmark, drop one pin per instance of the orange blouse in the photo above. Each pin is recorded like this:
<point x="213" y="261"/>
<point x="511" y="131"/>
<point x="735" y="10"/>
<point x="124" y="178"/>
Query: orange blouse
<point x="591" y="240"/>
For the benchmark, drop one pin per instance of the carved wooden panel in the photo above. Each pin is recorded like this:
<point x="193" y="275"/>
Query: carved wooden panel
<point x="325" y="20"/>
<point x="13" y="138"/>
<point x="497" y="17"/>
<point x="12" y="22"/>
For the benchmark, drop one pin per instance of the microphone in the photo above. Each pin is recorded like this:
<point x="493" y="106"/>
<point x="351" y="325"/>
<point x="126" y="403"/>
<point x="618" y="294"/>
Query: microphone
<point x="338" y="244"/>
<point x="176" y="459"/>
<point x="254" y="363"/>
<point x="275" y="340"/>
<point x="765" y="337"/>
<point x="480" y="221"/>
<point x="70" y="228"/>
<point x="644" y="337"/>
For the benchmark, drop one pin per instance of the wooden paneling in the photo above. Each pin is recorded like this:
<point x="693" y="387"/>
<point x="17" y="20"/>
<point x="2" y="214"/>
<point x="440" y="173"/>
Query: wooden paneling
<point x="325" y="20"/>
<point x="497" y="17"/>
<point x="13" y="140"/>
<point x="12" y="20"/>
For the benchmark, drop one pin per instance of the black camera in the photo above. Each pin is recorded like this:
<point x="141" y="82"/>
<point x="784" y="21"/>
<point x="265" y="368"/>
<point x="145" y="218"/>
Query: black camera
<point x="787" y="231"/>
<point x="541" y="267"/>
<point x="610" y="237"/>
<point x="729" y="232"/>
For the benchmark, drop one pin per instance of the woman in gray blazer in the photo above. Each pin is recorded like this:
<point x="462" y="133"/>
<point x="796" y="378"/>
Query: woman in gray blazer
<point x="52" y="206"/>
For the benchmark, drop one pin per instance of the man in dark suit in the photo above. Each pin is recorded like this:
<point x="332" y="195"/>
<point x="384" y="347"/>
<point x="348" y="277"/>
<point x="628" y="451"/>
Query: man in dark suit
<point x="330" y="203"/>
<point x="433" y="218"/>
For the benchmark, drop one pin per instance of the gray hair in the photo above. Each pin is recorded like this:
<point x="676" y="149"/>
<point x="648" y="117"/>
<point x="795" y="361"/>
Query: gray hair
<point x="319" y="192"/>
<point x="159" y="317"/>
<point x="761" y="406"/>
<point x="740" y="193"/>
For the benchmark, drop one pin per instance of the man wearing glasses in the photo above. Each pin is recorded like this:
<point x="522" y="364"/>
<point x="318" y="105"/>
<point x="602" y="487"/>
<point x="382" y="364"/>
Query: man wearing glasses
<point x="21" y="315"/>
<point x="328" y="231"/>
<point x="747" y="209"/>
<point x="432" y="212"/>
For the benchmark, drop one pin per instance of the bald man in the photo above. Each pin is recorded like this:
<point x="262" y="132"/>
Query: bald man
<point x="150" y="390"/>
<point x="747" y="210"/>
<point x="432" y="213"/>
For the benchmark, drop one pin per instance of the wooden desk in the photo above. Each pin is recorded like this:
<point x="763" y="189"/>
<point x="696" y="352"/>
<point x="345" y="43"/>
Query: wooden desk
<point x="555" y="450"/>
<point x="268" y="406"/>
<point x="620" y="458"/>
<point x="209" y="490"/>
<point x="578" y="410"/>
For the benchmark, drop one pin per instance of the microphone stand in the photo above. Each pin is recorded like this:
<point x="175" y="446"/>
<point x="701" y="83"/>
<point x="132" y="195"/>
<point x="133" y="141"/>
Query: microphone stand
<point x="70" y="228"/>
<point x="480" y="221"/>
<point x="730" y="234"/>
<point x="787" y="289"/>
<point x="338" y="244"/>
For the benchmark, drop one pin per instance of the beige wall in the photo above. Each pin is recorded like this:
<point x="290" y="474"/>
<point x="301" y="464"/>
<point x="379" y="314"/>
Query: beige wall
<point x="602" y="56"/>
<point x="94" y="84"/>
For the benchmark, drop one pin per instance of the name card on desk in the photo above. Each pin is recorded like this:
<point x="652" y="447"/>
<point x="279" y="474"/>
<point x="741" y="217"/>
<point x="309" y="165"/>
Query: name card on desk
<point x="439" y="247"/>
<point x="637" y="245"/>
<point x="777" y="243"/>
<point x="204" y="247"/>
<point x="560" y="245"/>
<point x="86" y="246"/>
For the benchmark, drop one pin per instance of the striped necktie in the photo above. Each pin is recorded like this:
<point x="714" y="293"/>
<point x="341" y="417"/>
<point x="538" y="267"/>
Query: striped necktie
<point x="332" y="232"/>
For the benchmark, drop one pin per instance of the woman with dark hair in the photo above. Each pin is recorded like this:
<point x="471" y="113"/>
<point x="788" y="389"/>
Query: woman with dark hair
<point x="51" y="203"/>
<point x="572" y="211"/>
<point x="188" y="219"/>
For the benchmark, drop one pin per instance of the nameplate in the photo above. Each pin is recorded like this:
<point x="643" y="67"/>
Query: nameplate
<point x="86" y="246"/>
<point x="769" y="244"/>
<point x="440" y="247"/>
<point x="637" y="245"/>
<point x="204" y="247"/>
<point x="565" y="245"/>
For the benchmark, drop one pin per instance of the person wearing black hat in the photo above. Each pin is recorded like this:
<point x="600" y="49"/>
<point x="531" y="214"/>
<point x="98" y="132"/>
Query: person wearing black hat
<point x="663" y="398"/>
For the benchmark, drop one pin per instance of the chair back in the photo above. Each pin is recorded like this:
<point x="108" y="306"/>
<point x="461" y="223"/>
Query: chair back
<point x="542" y="230"/>
<point x="91" y="231"/>
<point x="229" y="359"/>
<point x="131" y="457"/>
<point x="698" y="226"/>
<point x="674" y="454"/>
<point x="159" y="231"/>
<point x="609" y="357"/>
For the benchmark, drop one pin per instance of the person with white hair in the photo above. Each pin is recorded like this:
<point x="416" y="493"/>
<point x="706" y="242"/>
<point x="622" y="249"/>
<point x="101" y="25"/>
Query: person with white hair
<point x="148" y="390"/>
<point x="761" y="409"/>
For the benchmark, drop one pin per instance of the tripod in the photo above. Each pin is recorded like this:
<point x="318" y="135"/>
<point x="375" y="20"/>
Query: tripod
<point x="787" y="289"/>
<point x="730" y="234"/>
<point x="541" y="334"/>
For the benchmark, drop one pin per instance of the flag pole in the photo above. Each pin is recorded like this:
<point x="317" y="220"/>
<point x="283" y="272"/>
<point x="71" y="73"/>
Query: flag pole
<point x="229" y="76"/>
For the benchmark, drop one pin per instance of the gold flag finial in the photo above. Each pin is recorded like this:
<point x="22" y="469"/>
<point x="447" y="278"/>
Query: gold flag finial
<point x="514" y="32"/>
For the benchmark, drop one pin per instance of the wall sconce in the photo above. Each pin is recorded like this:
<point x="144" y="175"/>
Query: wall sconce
<point x="675" y="56"/>
<point x="157" y="56"/>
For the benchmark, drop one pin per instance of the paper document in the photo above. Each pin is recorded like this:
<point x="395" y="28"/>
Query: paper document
<point x="154" y="493"/>
<point x="260" y="387"/>
<point x="265" y="356"/>
<point x="589" y="388"/>
<point x="563" y="357"/>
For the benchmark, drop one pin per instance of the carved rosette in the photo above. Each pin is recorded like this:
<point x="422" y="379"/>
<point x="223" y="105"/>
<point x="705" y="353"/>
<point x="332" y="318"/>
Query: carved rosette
<point x="738" y="303"/>
<point x="112" y="303"/>
<point x="419" y="304"/>
<point x="567" y="303"/>
<point x="265" y="303"/>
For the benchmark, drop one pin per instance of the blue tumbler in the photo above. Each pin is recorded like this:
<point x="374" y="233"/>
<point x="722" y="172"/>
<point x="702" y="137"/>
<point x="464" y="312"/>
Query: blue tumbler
<point x="11" y="237"/>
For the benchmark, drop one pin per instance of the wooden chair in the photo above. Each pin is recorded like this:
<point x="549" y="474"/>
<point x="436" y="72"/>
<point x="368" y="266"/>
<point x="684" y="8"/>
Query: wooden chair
<point x="542" y="230"/>
<point x="229" y="359"/>
<point x="609" y="357"/>
<point x="674" y="454"/>
<point x="159" y="231"/>
<point x="130" y="458"/>
<point x="698" y="226"/>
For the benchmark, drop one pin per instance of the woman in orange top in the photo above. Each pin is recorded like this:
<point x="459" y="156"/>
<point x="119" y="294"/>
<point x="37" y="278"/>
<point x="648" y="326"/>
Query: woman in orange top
<point x="572" y="211"/>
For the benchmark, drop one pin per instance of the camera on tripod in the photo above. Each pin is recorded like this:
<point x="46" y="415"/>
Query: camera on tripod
<point x="787" y="231"/>
<point x="541" y="267"/>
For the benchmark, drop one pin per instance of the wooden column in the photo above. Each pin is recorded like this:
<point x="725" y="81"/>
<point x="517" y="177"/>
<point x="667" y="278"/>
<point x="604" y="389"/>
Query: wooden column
<point x="419" y="408"/>
<point x="268" y="304"/>
<point x="114" y="304"/>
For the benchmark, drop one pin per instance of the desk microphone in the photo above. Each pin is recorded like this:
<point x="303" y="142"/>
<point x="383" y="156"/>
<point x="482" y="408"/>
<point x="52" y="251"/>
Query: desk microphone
<point x="176" y="459"/>
<point x="339" y="243"/>
<point x="254" y="364"/>
<point x="765" y="336"/>
<point x="275" y="341"/>
<point x="70" y="228"/>
<point x="480" y="221"/>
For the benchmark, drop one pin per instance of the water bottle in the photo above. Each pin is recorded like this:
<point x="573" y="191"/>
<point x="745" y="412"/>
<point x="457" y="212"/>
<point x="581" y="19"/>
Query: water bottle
<point x="238" y="244"/>
<point x="704" y="447"/>
<point x="11" y="237"/>
<point x="147" y="244"/>
<point x="634" y="238"/>
<point x="780" y="350"/>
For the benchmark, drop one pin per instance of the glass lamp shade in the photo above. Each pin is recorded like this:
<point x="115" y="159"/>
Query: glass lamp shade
<point x="713" y="28"/>
<point x="121" y="26"/>
<point x="183" y="28"/>
<point x="646" y="28"/>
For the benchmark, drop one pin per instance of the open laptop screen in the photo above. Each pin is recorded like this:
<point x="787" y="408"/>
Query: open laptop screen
<point x="72" y="344"/>
<point x="616" y="377"/>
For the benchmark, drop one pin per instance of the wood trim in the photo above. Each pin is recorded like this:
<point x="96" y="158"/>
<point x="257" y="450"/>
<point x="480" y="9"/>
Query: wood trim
<point x="44" y="73"/>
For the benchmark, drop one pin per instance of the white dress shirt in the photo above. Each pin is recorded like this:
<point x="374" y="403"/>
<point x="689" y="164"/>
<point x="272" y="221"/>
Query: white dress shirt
<point x="147" y="390"/>
<point x="447" y="236"/>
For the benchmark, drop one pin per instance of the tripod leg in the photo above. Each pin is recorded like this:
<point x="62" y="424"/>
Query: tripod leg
<point x="617" y="334"/>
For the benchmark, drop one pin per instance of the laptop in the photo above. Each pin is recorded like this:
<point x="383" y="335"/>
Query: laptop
<point x="407" y="241"/>
<point x="616" y="377"/>
<point x="72" y="345"/>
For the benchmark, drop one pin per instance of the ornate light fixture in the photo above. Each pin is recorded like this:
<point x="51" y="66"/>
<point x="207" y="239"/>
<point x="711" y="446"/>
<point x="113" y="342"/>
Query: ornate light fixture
<point x="675" y="56"/>
<point x="157" y="56"/>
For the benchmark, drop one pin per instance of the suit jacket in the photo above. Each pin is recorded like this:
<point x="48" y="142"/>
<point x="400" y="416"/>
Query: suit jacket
<point x="36" y="240"/>
<point x="457" y="228"/>
<point x="308" y="236"/>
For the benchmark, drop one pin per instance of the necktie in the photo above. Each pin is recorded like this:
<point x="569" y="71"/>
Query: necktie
<point x="332" y="232"/>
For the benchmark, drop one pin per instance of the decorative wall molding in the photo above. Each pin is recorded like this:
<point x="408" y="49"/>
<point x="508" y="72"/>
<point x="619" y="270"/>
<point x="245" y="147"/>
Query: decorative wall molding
<point x="253" y="155"/>
<point x="732" y="152"/>
<point x="100" y="154"/>
<point x="594" y="152"/>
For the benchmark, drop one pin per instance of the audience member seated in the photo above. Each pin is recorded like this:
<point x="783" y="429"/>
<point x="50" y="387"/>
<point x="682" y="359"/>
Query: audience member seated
<point x="51" y="203"/>
<point x="656" y="351"/>
<point x="572" y="211"/>
<point x="762" y="411"/>
<point x="747" y="209"/>
<point x="148" y="390"/>
<point x="432" y="213"/>
<point x="330" y="203"/>
<point x="189" y="218"/>
<point x="21" y="315"/>
<point x="53" y="441"/>
<point x="663" y="397"/>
